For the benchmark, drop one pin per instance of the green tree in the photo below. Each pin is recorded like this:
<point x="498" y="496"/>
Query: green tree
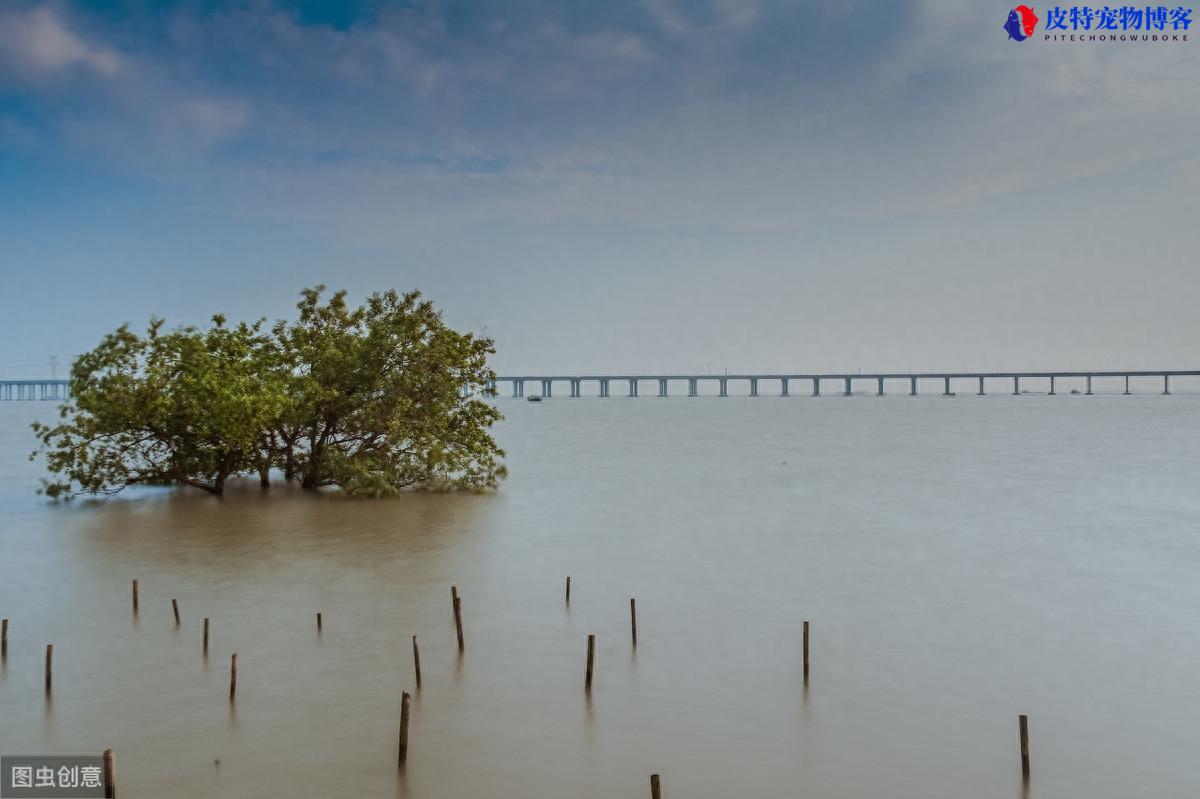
<point x="373" y="400"/>
<point x="185" y="407"/>
<point x="383" y="397"/>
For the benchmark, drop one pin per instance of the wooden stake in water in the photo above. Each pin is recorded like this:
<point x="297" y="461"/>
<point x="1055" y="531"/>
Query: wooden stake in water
<point x="110" y="776"/>
<point x="587" y="682"/>
<point x="458" y="621"/>
<point x="175" y="607"/>
<point x="417" y="661"/>
<point x="4" y="638"/>
<point x="135" y="596"/>
<point x="206" y="636"/>
<point x="655" y="788"/>
<point x="233" y="677"/>
<point x="633" y="618"/>
<point x="405" y="701"/>
<point x="49" y="666"/>
<point x="806" y="651"/>
<point x="318" y="622"/>
<point x="568" y="589"/>
<point x="1023" y="727"/>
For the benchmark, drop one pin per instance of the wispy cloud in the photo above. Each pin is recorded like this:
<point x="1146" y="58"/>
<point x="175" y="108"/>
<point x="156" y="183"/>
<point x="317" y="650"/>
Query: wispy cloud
<point x="38" y="41"/>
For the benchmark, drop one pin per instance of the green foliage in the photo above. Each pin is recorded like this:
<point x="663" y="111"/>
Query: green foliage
<point x="373" y="400"/>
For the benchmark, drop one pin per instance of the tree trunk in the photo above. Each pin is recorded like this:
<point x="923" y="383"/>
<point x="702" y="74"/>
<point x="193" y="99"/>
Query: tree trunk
<point x="264" y="475"/>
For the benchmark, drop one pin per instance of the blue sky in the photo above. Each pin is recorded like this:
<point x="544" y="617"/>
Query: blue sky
<point x="649" y="185"/>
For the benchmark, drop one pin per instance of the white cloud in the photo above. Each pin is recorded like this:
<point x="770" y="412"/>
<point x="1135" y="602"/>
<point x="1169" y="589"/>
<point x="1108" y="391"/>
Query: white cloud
<point x="218" y="119"/>
<point x="38" y="41"/>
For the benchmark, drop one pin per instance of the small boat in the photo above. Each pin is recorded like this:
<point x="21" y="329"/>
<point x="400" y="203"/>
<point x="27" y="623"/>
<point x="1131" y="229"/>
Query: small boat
<point x="534" y="398"/>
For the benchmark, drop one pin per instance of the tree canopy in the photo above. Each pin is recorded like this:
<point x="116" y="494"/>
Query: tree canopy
<point x="373" y="400"/>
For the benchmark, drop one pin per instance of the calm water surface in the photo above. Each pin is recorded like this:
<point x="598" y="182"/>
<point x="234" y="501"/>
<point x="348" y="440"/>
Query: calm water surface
<point x="961" y="561"/>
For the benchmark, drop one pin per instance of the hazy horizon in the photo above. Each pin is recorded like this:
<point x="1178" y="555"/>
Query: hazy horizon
<point x="644" y="186"/>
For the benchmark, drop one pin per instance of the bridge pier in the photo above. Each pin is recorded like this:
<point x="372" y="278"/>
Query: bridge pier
<point x="980" y="387"/>
<point x="1089" y="386"/>
<point x="724" y="387"/>
<point x="816" y="387"/>
<point x="603" y="387"/>
<point x="783" y="387"/>
<point x="947" y="393"/>
<point x="754" y="386"/>
<point x="1016" y="385"/>
<point x="1051" y="385"/>
<point x="880" y="392"/>
<point x="633" y="387"/>
<point x="847" y="392"/>
<point x="692" y="386"/>
<point x="1166" y="384"/>
<point x="912" y="392"/>
<point x="576" y="386"/>
<point x="662" y="387"/>
<point x="547" y="388"/>
<point x="1126" y="384"/>
<point x="518" y="388"/>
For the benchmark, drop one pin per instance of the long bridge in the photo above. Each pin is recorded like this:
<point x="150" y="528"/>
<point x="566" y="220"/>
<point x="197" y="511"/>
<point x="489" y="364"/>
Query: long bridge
<point x="33" y="389"/>
<point x="947" y="381"/>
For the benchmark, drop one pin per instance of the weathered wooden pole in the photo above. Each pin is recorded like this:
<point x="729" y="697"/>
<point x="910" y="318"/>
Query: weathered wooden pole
<point x="110" y="776"/>
<point x="175" y="607"/>
<point x="655" y="788"/>
<point x="318" y="621"/>
<point x="1023" y="727"/>
<point x="49" y="666"/>
<point x="135" y="596"/>
<point x="633" y="618"/>
<point x="806" y="651"/>
<point x="233" y="677"/>
<point x="587" y="683"/>
<point x="417" y="661"/>
<point x="405" y="701"/>
<point x="206" y="636"/>
<point x="458" y="621"/>
<point x="4" y="638"/>
<point x="453" y="595"/>
<point x="568" y="589"/>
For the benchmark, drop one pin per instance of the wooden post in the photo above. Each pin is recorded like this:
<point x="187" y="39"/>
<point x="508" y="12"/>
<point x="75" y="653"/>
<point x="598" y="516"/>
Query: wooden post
<point x="233" y="677"/>
<point x="135" y="596"/>
<point x="318" y="621"/>
<point x="175" y="607"/>
<point x="4" y="638"/>
<point x="417" y="660"/>
<point x="655" y="788"/>
<point x="206" y="636"/>
<point x="633" y="618"/>
<point x="1023" y="726"/>
<point x="453" y="595"/>
<point x="110" y="776"/>
<point x="405" y="701"/>
<point x="49" y="665"/>
<point x="458" y="621"/>
<point x="806" y="650"/>
<point x="587" y="683"/>
<point x="568" y="589"/>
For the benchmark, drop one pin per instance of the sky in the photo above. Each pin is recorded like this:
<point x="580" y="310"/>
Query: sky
<point x="655" y="185"/>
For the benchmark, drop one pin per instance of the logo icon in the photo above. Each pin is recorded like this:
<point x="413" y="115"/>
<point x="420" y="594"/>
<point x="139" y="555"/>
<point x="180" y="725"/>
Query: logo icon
<point x="1020" y="24"/>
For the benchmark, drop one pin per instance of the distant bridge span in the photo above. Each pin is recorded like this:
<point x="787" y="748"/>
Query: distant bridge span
<point x="842" y="379"/>
<point x="32" y="389"/>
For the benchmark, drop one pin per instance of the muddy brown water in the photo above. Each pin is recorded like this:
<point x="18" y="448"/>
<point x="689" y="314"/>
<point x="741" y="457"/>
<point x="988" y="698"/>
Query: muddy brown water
<point x="961" y="561"/>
